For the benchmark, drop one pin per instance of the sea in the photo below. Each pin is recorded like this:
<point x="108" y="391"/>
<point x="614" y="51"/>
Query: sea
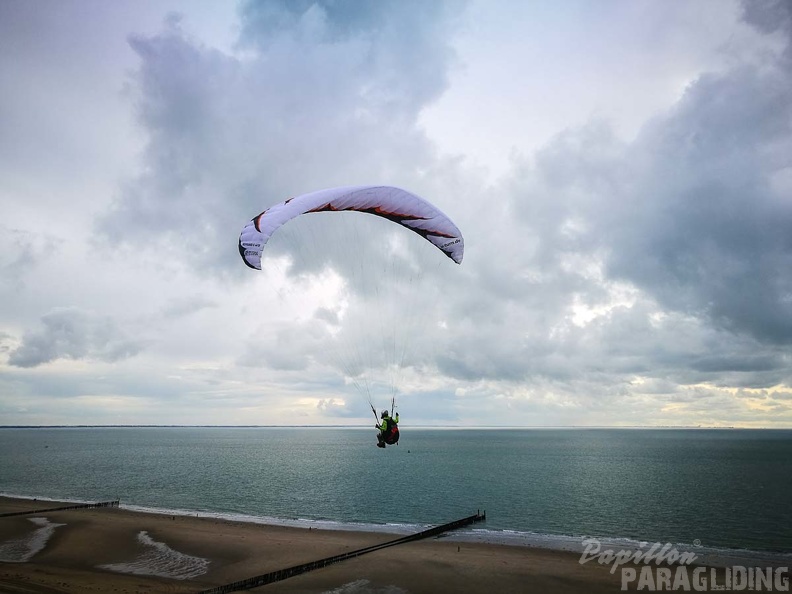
<point x="724" y="494"/>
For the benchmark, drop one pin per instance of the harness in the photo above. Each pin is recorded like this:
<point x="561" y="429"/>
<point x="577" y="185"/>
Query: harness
<point x="391" y="433"/>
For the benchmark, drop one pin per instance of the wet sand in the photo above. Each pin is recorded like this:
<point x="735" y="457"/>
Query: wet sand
<point x="72" y="559"/>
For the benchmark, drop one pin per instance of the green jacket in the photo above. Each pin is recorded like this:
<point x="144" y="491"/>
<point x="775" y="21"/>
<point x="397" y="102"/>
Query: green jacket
<point x="384" y="426"/>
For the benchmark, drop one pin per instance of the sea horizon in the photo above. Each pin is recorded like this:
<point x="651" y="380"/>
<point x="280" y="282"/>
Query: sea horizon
<point x="411" y="427"/>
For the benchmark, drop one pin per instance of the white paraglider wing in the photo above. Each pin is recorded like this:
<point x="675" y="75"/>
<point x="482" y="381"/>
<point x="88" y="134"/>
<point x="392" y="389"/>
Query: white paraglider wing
<point x="394" y="204"/>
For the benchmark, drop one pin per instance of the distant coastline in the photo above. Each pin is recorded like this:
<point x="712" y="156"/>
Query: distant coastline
<point x="366" y="426"/>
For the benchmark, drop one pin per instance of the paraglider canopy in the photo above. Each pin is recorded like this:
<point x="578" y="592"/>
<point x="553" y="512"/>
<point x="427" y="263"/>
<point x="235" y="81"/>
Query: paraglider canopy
<point x="371" y="338"/>
<point x="395" y="204"/>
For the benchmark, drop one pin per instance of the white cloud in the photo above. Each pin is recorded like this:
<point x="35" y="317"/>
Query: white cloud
<point x="626" y="253"/>
<point x="73" y="334"/>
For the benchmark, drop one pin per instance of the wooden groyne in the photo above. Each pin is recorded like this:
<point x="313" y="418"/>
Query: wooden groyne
<point x="282" y="574"/>
<point x="54" y="509"/>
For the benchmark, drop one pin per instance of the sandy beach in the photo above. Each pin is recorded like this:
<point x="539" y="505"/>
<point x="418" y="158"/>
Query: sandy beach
<point x="91" y="550"/>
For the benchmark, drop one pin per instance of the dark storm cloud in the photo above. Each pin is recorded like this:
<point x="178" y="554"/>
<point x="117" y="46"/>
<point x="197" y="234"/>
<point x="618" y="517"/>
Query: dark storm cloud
<point x="705" y="230"/>
<point x="69" y="333"/>
<point x="404" y="43"/>
<point x="326" y="101"/>
<point x="769" y="15"/>
<point x="690" y="216"/>
<point x="695" y="212"/>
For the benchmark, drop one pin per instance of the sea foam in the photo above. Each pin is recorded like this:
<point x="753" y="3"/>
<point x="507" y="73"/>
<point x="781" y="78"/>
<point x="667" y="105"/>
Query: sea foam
<point x="364" y="587"/>
<point x="23" y="549"/>
<point x="162" y="561"/>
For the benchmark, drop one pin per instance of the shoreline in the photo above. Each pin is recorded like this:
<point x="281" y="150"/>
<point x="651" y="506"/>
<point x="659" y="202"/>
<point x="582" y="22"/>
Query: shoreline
<point x="709" y="556"/>
<point x="88" y="549"/>
<point x="115" y="549"/>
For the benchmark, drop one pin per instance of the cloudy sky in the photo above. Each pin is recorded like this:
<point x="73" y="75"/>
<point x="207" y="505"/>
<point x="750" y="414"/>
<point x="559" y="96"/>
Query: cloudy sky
<point x="621" y="172"/>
